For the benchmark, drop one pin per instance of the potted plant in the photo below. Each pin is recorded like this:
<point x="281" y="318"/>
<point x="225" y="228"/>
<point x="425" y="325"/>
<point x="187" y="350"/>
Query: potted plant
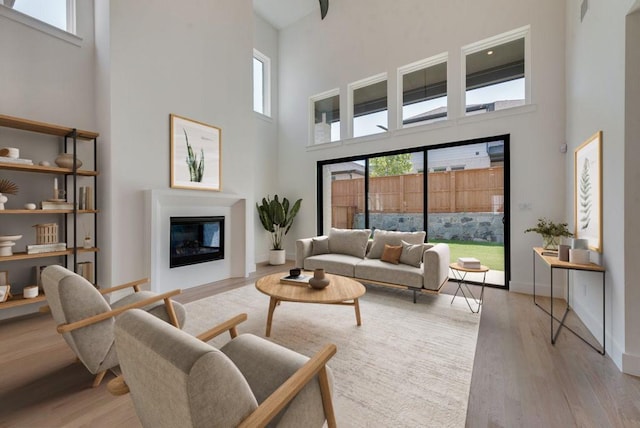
<point x="551" y="232"/>
<point x="277" y="217"/>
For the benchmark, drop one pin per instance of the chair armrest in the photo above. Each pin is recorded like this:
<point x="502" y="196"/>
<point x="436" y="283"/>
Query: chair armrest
<point x="65" y="328"/>
<point x="288" y="390"/>
<point x="229" y="325"/>
<point x="134" y="284"/>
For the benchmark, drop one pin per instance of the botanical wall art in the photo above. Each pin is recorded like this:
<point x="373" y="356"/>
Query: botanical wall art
<point x="588" y="191"/>
<point x="195" y="154"/>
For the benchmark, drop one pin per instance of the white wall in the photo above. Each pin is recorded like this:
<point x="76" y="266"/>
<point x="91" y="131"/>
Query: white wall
<point x="188" y="58"/>
<point x="265" y="39"/>
<point x="48" y="79"/>
<point x="596" y="101"/>
<point x="361" y="38"/>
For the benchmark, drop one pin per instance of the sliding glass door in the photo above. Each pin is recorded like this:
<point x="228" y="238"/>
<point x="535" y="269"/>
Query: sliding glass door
<point x="464" y="204"/>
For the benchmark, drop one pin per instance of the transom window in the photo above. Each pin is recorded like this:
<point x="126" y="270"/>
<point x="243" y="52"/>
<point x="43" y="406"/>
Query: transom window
<point x="496" y="73"/>
<point x="325" y="109"/>
<point x="59" y="13"/>
<point x="423" y="91"/>
<point x="369" y="106"/>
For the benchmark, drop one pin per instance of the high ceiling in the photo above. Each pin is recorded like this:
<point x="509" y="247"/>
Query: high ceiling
<point x="282" y="13"/>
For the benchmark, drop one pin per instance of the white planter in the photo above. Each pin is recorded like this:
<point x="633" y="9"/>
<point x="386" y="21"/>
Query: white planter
<point x="277" y="257"/>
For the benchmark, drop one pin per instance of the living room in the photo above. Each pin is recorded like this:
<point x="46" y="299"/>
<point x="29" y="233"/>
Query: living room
<point x="132" y="65"/>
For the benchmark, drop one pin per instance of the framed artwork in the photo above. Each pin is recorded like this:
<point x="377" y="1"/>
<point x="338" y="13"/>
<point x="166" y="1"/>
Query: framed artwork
<point x="588" y="191"/>
<point x="196" y="152"/>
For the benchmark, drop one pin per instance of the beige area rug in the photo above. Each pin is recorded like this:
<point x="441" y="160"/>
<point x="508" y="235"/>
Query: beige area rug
<point x="408" y="365"/>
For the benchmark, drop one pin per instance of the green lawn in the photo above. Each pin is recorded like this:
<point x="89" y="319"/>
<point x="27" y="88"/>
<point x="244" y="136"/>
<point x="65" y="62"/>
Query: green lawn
<point x="489" y="254"/>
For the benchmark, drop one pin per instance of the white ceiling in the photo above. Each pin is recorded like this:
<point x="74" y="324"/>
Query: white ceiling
<point x="282" y="13"/>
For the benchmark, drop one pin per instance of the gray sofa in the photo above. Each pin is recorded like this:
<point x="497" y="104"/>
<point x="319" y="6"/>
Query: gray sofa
<point x="421" y="266"/>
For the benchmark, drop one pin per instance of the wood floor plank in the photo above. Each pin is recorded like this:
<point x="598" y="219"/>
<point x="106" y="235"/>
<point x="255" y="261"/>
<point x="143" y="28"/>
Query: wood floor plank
<point x="519" y="379"/>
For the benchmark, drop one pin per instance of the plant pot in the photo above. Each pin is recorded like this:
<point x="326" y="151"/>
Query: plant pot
<point x="277" y="257"/>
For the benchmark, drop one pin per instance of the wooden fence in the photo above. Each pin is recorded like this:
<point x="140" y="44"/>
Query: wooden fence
<point x="471" y="190"/>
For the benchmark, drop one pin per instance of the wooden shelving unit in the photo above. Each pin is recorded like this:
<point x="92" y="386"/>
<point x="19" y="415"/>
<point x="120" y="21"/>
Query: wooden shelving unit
<point x="70" y="137"/>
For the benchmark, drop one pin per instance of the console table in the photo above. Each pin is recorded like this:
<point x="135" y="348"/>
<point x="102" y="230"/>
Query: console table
<point x="553" y="263"/>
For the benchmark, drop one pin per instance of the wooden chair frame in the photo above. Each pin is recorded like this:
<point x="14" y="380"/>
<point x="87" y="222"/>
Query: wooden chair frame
<point x="68" y="327"/>
<point x="286" y="392"/>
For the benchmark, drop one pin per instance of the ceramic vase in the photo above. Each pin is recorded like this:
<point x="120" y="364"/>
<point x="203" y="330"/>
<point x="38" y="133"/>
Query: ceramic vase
<point x="3" y="199"/>
<point x="65" y="160"/>
<point x="319" y="281"/>
<point x="550" y="242"/>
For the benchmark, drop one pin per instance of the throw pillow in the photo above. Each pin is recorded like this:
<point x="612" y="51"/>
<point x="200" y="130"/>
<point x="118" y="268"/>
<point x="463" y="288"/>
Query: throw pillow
<point x="382" y="237"/>
<point x="411" y="254"/>
<point x="352" y="242"/>
<point x="391" y="254"/>
<point x="320" y="245"/>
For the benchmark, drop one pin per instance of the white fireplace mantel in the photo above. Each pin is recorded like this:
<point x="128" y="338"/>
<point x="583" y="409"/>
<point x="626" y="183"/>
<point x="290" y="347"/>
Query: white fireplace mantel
<point x="166" y="203"/>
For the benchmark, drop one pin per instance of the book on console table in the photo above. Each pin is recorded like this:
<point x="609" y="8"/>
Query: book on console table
<point x="469" y="262"/>
<point x="295" y="280"/>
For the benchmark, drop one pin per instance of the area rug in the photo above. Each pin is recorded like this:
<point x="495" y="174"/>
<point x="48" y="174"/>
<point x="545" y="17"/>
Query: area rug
<point x="408" y="365"/>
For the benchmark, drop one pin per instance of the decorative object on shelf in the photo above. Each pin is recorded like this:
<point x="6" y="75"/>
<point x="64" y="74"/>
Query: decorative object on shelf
<point x="276" y="218"/>
<point x="551" y="232"/>
<point x="30" y="292"/>
<point x="8" y="187"/>
<point x="65" y="160"/>
<point x="44" y="163"/>
<point x="319" y="281"/>
<point x="195" y="154"/>
<point x="10" y="152"/>
<point x="56" y="204"/>
<point x="588" y="191"/>
<point x="579" y="256"/>
<point x="30" y="206"/>
<point x="580" y="244"/>
<point x="563" y="252"/>
<point x="5" y="293"/>
<point x="46" y="248"/>
<point x="46" y="233"/>
<point x="6" y="244"/>
<point x="295" y="272"/>
<point x="87" y="242"/>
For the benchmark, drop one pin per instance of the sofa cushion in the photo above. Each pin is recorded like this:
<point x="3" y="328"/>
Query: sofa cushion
<point x="339" y="264"/>
<point x="411" y="254"/>
<point x="381" y="237"/>
<point x="320" y="245"/>
<point x="376" y="270"/>
<point x="391" y="254"/>
<point x="352" y="242"/>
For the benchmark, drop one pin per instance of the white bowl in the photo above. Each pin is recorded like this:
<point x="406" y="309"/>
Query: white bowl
<point x="9" y="238"/>
<point x="30" y="292"/>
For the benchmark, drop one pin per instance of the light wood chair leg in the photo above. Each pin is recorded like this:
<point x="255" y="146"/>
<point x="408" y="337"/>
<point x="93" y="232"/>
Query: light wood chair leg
<point x="118" y="386"/>
<point x="98" y="379"/>
<point x="171" y="312"/>
<point x="327" y="403"/>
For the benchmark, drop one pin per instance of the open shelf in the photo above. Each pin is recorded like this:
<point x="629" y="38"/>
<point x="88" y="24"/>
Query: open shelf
<point x="39" y="211"/>
<point x="45" y="169"/>
<point x="43" y="128"/>
<point x="25" y="256"/>
<point x="19" y="300"/>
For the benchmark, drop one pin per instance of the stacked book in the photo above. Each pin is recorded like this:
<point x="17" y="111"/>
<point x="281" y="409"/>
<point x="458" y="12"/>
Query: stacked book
<point x="6" y="159"/>
<point x="57" y="205"/>
<point x="46" y="248"/>
<point x="85" y="198"/>
<point x="469" y="262"/>
<point x="85" y="270"/>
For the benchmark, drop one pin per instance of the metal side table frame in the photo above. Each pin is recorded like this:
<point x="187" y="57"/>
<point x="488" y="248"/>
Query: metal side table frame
<point x="459" y="275"/>
<point x="553" y="264"/>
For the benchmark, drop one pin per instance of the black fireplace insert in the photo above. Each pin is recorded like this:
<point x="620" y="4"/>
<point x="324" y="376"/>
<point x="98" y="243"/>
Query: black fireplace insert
<point x="196" y="240"/>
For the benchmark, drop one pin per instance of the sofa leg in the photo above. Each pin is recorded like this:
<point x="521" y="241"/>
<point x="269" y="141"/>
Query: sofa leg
<point x="414" y="296"/>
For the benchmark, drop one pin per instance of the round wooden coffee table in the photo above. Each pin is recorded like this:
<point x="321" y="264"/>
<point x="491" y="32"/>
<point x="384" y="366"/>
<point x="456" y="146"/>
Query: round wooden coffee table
<point x="341" y="291"/>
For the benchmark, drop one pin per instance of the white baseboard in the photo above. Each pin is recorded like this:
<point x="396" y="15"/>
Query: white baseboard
<point x="631" y="364"/>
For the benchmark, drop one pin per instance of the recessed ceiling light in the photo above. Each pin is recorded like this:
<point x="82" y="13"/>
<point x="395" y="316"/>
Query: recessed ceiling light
<point x="489" y="52"/>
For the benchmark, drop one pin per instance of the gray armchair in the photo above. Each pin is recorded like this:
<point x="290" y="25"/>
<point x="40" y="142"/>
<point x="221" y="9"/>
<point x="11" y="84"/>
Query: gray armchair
<point x="177" y="380"/>
<point x="86" y="320"/>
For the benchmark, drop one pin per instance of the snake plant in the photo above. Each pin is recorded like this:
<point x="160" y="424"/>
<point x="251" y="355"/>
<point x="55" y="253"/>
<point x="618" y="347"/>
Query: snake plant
<point x="196" y="167"/>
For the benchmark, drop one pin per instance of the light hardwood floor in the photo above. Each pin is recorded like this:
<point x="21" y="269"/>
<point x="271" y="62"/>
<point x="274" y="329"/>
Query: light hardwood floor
<point x="519" y="379"/>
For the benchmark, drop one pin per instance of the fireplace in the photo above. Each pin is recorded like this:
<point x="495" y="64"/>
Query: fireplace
<point x="196" y="240"/>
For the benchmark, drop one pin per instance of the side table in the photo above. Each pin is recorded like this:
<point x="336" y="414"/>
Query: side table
<point x="460" y="274"/>
<point x="553" y="263"/>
